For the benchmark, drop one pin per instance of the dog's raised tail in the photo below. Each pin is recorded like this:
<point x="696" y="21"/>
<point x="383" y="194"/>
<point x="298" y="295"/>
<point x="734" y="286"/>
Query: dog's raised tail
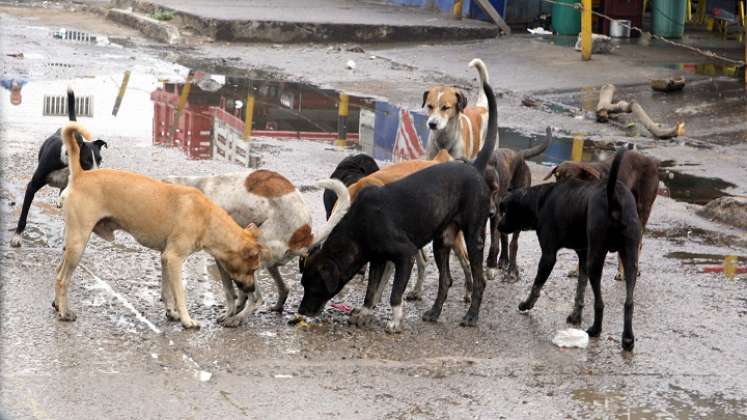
<point x="338" y="212"/>
<point x="538" y="149"/>
<point x="482" y="70"/>
<point x="491" y="137"/>
<point x="73" y="150"/>
<point x="613" y="207"/>
<point x="71" y="105"/>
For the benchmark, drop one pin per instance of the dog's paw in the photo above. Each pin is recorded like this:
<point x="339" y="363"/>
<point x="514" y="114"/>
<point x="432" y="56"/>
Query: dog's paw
<point x="54" y="305"/>
<point x="189" y="324"/>
<point x="393" y="327"/>
<point x="619" y="276"/>
<point x="469" y="320"/>
<point x="15" y="241"/>
<point x="278" y="307"/>
<point x="467" y="297"/>
<point x="628" y="343"/>
<point x="573" y="273"/>
<point x="511" y="275"/>
<point x="574" y="318"/>
<point x="491" y="272"/>
<point x="361" y="317"/>
<point x="594" y="332"/>
<point x="67" y="316"/>
<point x="525" y="306"/>
<point x="172" y="315"/>
<point x="232" y="321"/>
<point x="431" y="315"/>
<point x="413" y="295"/>
<point x="503" y="263"/>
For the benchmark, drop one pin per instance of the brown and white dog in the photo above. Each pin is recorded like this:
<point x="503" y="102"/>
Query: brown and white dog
<point x="454" y="126"/>
<point x="270" y="201"/>
<point x="173" y="219"/>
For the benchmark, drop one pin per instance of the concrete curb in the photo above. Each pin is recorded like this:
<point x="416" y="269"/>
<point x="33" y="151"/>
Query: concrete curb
<point x="150" y="27"/>
<point x="299" y="32"/>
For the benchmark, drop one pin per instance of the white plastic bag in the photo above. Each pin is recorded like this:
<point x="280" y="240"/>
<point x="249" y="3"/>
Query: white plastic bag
<point x="571" y="337"/>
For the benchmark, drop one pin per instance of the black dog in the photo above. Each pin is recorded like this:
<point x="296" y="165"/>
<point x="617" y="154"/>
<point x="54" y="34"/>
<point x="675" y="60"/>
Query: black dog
<point x="592" y="218"/>
<point x="349" y="170"/>
<point x="507" y="170"/>
<point x="391" y="223"/>
<point x="52" y="167"/>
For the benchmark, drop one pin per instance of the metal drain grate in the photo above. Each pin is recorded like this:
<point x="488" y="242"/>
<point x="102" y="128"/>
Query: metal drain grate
<point x="76" y="36"/>
<point x="56" y="106"/>
<point x="61" y="65"/>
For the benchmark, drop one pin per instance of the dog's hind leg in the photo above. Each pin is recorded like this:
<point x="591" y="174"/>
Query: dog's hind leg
<point x="417" y="292"/>
<point x="546" y="264"/>
<point x="174" y="261"/>
<point x="595" y="264"/>
<point x="282" y="289"/>
<point x="503" y="260"/>
<point x="628" y="255"/>
<point x="475" y="239"/>
<point x="492" y="261"/>
<point x="402" y="271"/>
<point x="36" y="183"/>
<point x="388" y="270"/>
<point x="578" y="305"/>
<point x="441" y="255"/>
<point x="230" y="293"/>
<point x="377" y="277"/>
<point x="167" y="294"/>
<point x="461" y="252"/>
<point x="75" y="243"/>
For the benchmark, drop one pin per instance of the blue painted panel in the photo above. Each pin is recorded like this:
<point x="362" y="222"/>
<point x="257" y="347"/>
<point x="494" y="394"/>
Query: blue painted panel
<point x="391" y="125"/>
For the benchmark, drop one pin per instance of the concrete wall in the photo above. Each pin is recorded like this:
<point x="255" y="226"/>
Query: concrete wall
<point x="442" y="5"/>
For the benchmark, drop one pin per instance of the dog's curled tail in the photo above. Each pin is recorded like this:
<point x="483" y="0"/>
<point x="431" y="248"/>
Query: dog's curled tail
<point x="73" y="150"/>
<point x="482" y="70"/>
<point x="538" y="149"/>
<point x="613" y="207"/>
<point x="491" y="137"/>
<point x="71" y="104"/>
<point x="341" y="208"/>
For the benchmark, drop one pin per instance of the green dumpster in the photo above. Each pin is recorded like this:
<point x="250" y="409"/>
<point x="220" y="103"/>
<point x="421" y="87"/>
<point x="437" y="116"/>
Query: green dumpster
<point x="566" y="20"/>
<point x="669" y="17"/>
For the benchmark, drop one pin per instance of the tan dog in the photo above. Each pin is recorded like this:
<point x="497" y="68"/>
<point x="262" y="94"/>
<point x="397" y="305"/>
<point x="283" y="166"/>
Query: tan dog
<point x="394" y="173"/>
<point x="454" y="126"/>
<point x="173" y="219"/>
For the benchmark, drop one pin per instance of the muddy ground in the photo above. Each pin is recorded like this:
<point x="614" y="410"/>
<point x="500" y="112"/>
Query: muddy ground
<point x="123" y="359"/>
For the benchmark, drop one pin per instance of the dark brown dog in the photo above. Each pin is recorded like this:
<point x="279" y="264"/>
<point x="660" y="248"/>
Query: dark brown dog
<point x="640" y="173"/>
<point x="507" y="170"/>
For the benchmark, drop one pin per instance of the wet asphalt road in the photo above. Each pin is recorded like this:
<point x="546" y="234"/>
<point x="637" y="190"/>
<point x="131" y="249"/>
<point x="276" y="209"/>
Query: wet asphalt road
<point x="123" y="359"/>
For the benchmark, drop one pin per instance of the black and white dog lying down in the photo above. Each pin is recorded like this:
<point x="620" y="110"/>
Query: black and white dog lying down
<point x="52" y="167"/>
<point x="592" y="218"/>
<point x="391" y="223"/>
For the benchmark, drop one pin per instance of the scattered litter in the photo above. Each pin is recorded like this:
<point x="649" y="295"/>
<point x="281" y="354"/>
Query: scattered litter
<point x="357" y="49"/>
<point x="341" y="307"/>
<point x="154" y="355"/>
<point x="350" y="65"/>
<point x="539" y="31"/>
<point x="267" y="334"/>
<point x="600" y="44"/>
<point x="283" y="376"/>
<point x="571" y="337"/>
<point x="15" y="55"/>
<point x="299" y="321"/>
<point x="203" y="375"/>
<point x="373" y="57"/>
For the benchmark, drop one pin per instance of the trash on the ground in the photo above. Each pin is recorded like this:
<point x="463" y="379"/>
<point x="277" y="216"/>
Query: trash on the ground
<point x="15" y="55"/>
<point x="668" y="85"/>
<point x="267" y="334"/>
<point x="539" y="31"/>
<point x="203" y="376"/>
<point x="606" y="107"/>
<point x="211" y="82"/>
<point x="350" y="65"/>
<point x="729" y="210"/>
<point x="600" y="44"/>
<point x="571" y="337"/>
<point x="298" y="321"/>
<point x="357" y="49"/>
<point x="283" y="376"/>
<point x="341" y="307"/>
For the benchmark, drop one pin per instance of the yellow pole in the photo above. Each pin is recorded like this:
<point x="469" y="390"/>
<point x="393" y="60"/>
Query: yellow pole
<point x="249" y="117"/>
<point x="701" y="11"/>
<point x="586" y="31"/>
<point x="730" y="267"/>
<point x="688" y="12"/>
<point x="122" y="89"/>
<point x="457" y="10"/>
<point x="180" y="105"/>
<point x="577" y="149"/>
<point x="342" y="120"/>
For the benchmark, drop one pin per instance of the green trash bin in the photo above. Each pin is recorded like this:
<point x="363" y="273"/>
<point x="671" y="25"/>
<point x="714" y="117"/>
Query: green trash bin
<point x="566" y="20"/>
<point x="669" y="17"/>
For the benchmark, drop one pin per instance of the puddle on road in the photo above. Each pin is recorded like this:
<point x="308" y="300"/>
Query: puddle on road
<point x="693" y="189"/>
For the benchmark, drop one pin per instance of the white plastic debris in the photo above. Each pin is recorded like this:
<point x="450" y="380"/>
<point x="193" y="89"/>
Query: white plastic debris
<point x="283" y="376"/>
<point x="203" y="375"/>
<point x="571" y="337"/>
<point x="539" y="31"/>
<point x="600" y="44"/>
<point x="350" y="65"/>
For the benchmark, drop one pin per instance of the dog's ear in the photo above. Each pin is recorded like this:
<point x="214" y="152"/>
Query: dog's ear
<point x="253" y="229"/>
<point x="589" y="173"/>
<point x="551" y="173"/>
<point x="461" y="101"/>
<point x="425" y="98"/>
<point x="100" y="143"/>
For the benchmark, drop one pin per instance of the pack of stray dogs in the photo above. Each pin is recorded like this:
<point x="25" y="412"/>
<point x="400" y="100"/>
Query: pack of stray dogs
<point x="381" y="218"/>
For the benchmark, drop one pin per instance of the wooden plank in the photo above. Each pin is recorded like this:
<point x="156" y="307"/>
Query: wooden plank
<point x="490" y="11"/>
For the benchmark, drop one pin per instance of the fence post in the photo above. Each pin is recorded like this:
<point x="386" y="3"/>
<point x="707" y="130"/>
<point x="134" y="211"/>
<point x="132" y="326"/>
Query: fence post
<point x="122" y="89"/>
<point x="180" y="106"/>
<point x="586" y="31"/>
<point x="249" y="118"/>
<point x="342" y="120"/>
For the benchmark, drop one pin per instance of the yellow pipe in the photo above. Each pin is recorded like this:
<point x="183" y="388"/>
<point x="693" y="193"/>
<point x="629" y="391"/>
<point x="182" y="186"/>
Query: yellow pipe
<point x="342" y="120"/>
<point x="730" y="266"/>
<point x="577" y="149"/>
<point x="180" y="105"/>
<point x="122" y="89"/>
<point x="586" y="31"/>
<point x="249" y="118"/>
<point x="457" y="10"/>
<point x="689" y="12"/>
